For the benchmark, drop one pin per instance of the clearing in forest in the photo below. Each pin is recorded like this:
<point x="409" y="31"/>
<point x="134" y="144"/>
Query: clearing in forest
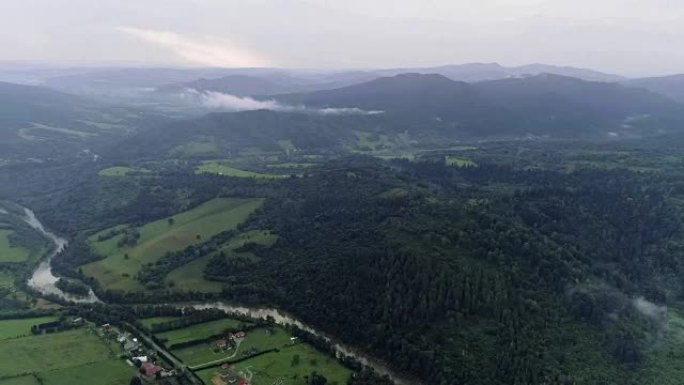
<point x="190" y="277"/>
<point x="225" y="169"/>
<point x="9" y="252"/>
<point x="123" y="261"/>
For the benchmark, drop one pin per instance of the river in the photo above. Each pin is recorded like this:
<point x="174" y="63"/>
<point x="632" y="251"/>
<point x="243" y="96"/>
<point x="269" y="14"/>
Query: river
<point x="43" y="280"/>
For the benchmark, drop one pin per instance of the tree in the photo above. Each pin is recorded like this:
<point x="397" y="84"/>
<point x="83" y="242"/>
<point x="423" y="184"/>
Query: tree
<point x="317" y="379"/>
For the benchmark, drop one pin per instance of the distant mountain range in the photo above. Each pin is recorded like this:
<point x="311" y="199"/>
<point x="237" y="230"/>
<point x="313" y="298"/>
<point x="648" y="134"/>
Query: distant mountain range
<point x="670" y="86"/>
<point x="547" y="105"/>
<point x="474" y="72"/>
<point x="250" y="83"/>
<point x="131" y="81"/>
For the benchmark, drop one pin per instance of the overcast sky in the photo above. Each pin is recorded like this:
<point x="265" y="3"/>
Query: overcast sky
<point x="630" y="37"/>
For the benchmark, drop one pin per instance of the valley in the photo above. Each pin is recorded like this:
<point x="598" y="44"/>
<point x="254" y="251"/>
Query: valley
<point x="469" y="233"/>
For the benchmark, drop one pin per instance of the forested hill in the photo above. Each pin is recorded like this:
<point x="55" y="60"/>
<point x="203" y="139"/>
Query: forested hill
<point x="478" y="275"/>
<point x="21" y="104"/>
<point x="671" y="86"/>
<point x="546" y="105"/>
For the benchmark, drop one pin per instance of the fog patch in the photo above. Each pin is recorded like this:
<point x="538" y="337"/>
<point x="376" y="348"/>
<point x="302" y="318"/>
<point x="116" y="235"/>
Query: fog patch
<point x="218" y="100"/>
<point x="227" y="102"/>
<point x="649" y="309"/>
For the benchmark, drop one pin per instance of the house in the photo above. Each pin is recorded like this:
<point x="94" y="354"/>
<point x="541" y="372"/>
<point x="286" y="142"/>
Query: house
<point x="142" y="359"/>
<point x="130" y="346"/>
<point x="150" y="370"/>
<point x="221" y="344"/>
<point x="225" y="366"/>
<point x="229" y="377"/>
<point x="244" y="382"/>
<point x="240" y="334"/>
<point x="107" y="328"/>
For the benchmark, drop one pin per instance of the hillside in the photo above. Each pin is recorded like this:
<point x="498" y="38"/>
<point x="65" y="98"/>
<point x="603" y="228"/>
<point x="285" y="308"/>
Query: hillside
<point x="20" y="103"/>
<point x="548" y="105"/>
<point x="670" y="86"/>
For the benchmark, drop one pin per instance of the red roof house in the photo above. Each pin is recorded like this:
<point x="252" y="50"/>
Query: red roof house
<point x="150" y="369"/>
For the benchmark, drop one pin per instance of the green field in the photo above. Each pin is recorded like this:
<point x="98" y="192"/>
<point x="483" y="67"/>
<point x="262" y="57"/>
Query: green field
<point x="201" y="354"/>
<point x="291" y="165"/>
<point x="148" y="322"/>
<point x="207" y="147"/>
<point x="459" y="162"/>
<point x="71" y="357"/>
<point x="199" y="331"/>
<point x="23" y="380"/>
<point x="116" y="271"/>
<point x="118" y="171"/>
<point x="109" y="372"/>
<point x="190" y="277"/>
<point x="409" y="157"/>
<point x="20" y="327"/>
<point x="222" y="168"/>
<point x="267" y="368"/>
<point x="9" y="253"/>
<point x="260" y="339"/>
<point x="6" y="280"/>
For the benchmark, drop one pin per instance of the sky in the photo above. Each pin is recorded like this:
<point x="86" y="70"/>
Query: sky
<point x="626" y="37"/>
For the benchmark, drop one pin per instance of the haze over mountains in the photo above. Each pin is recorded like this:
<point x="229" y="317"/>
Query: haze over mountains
<point x="457" y="102"/>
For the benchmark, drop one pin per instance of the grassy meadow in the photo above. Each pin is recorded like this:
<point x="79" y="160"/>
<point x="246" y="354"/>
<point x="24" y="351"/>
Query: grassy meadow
<point x="71" y="357"/>
<point x="118" y="171"/>
<point x="190" y="277"/>
<point x="149" y="322"/>
<point x="8" y="253"/>
<point x="223" y="168"/>
<point x="459" y="162"/>
<point x="118" y="269"/>
<point x="292" y="362"/>
<point x="15" y="328"/>
<point x="199" y="331"/>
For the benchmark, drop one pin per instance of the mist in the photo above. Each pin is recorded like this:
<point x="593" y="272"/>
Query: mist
<point x="232" y="103"/>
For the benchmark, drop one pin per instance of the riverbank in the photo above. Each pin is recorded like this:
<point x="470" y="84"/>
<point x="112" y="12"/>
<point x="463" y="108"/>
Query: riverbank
<point x="43" y="281"/>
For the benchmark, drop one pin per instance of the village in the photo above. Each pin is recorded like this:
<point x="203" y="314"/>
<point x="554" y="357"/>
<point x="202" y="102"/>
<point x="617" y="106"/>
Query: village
<point x="145" y="359"/>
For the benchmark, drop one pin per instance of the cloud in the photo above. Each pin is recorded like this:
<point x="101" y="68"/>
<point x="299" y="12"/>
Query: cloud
<point x="208" y="52"/>
<point x="227" y="102"/>
<point x="650" y="309"/>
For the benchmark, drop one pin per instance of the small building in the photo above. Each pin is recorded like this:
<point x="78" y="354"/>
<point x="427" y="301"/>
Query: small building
<point x="150" y="370"/>
<point x="229" y="377"/>
<point x="225" y="366"/>
<point x="107" y="328"/>
<point x="221" y="344"/>
<point x="142" y="359"/>
<point x="240" y="334"/>
<point x="131" y="346"/>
